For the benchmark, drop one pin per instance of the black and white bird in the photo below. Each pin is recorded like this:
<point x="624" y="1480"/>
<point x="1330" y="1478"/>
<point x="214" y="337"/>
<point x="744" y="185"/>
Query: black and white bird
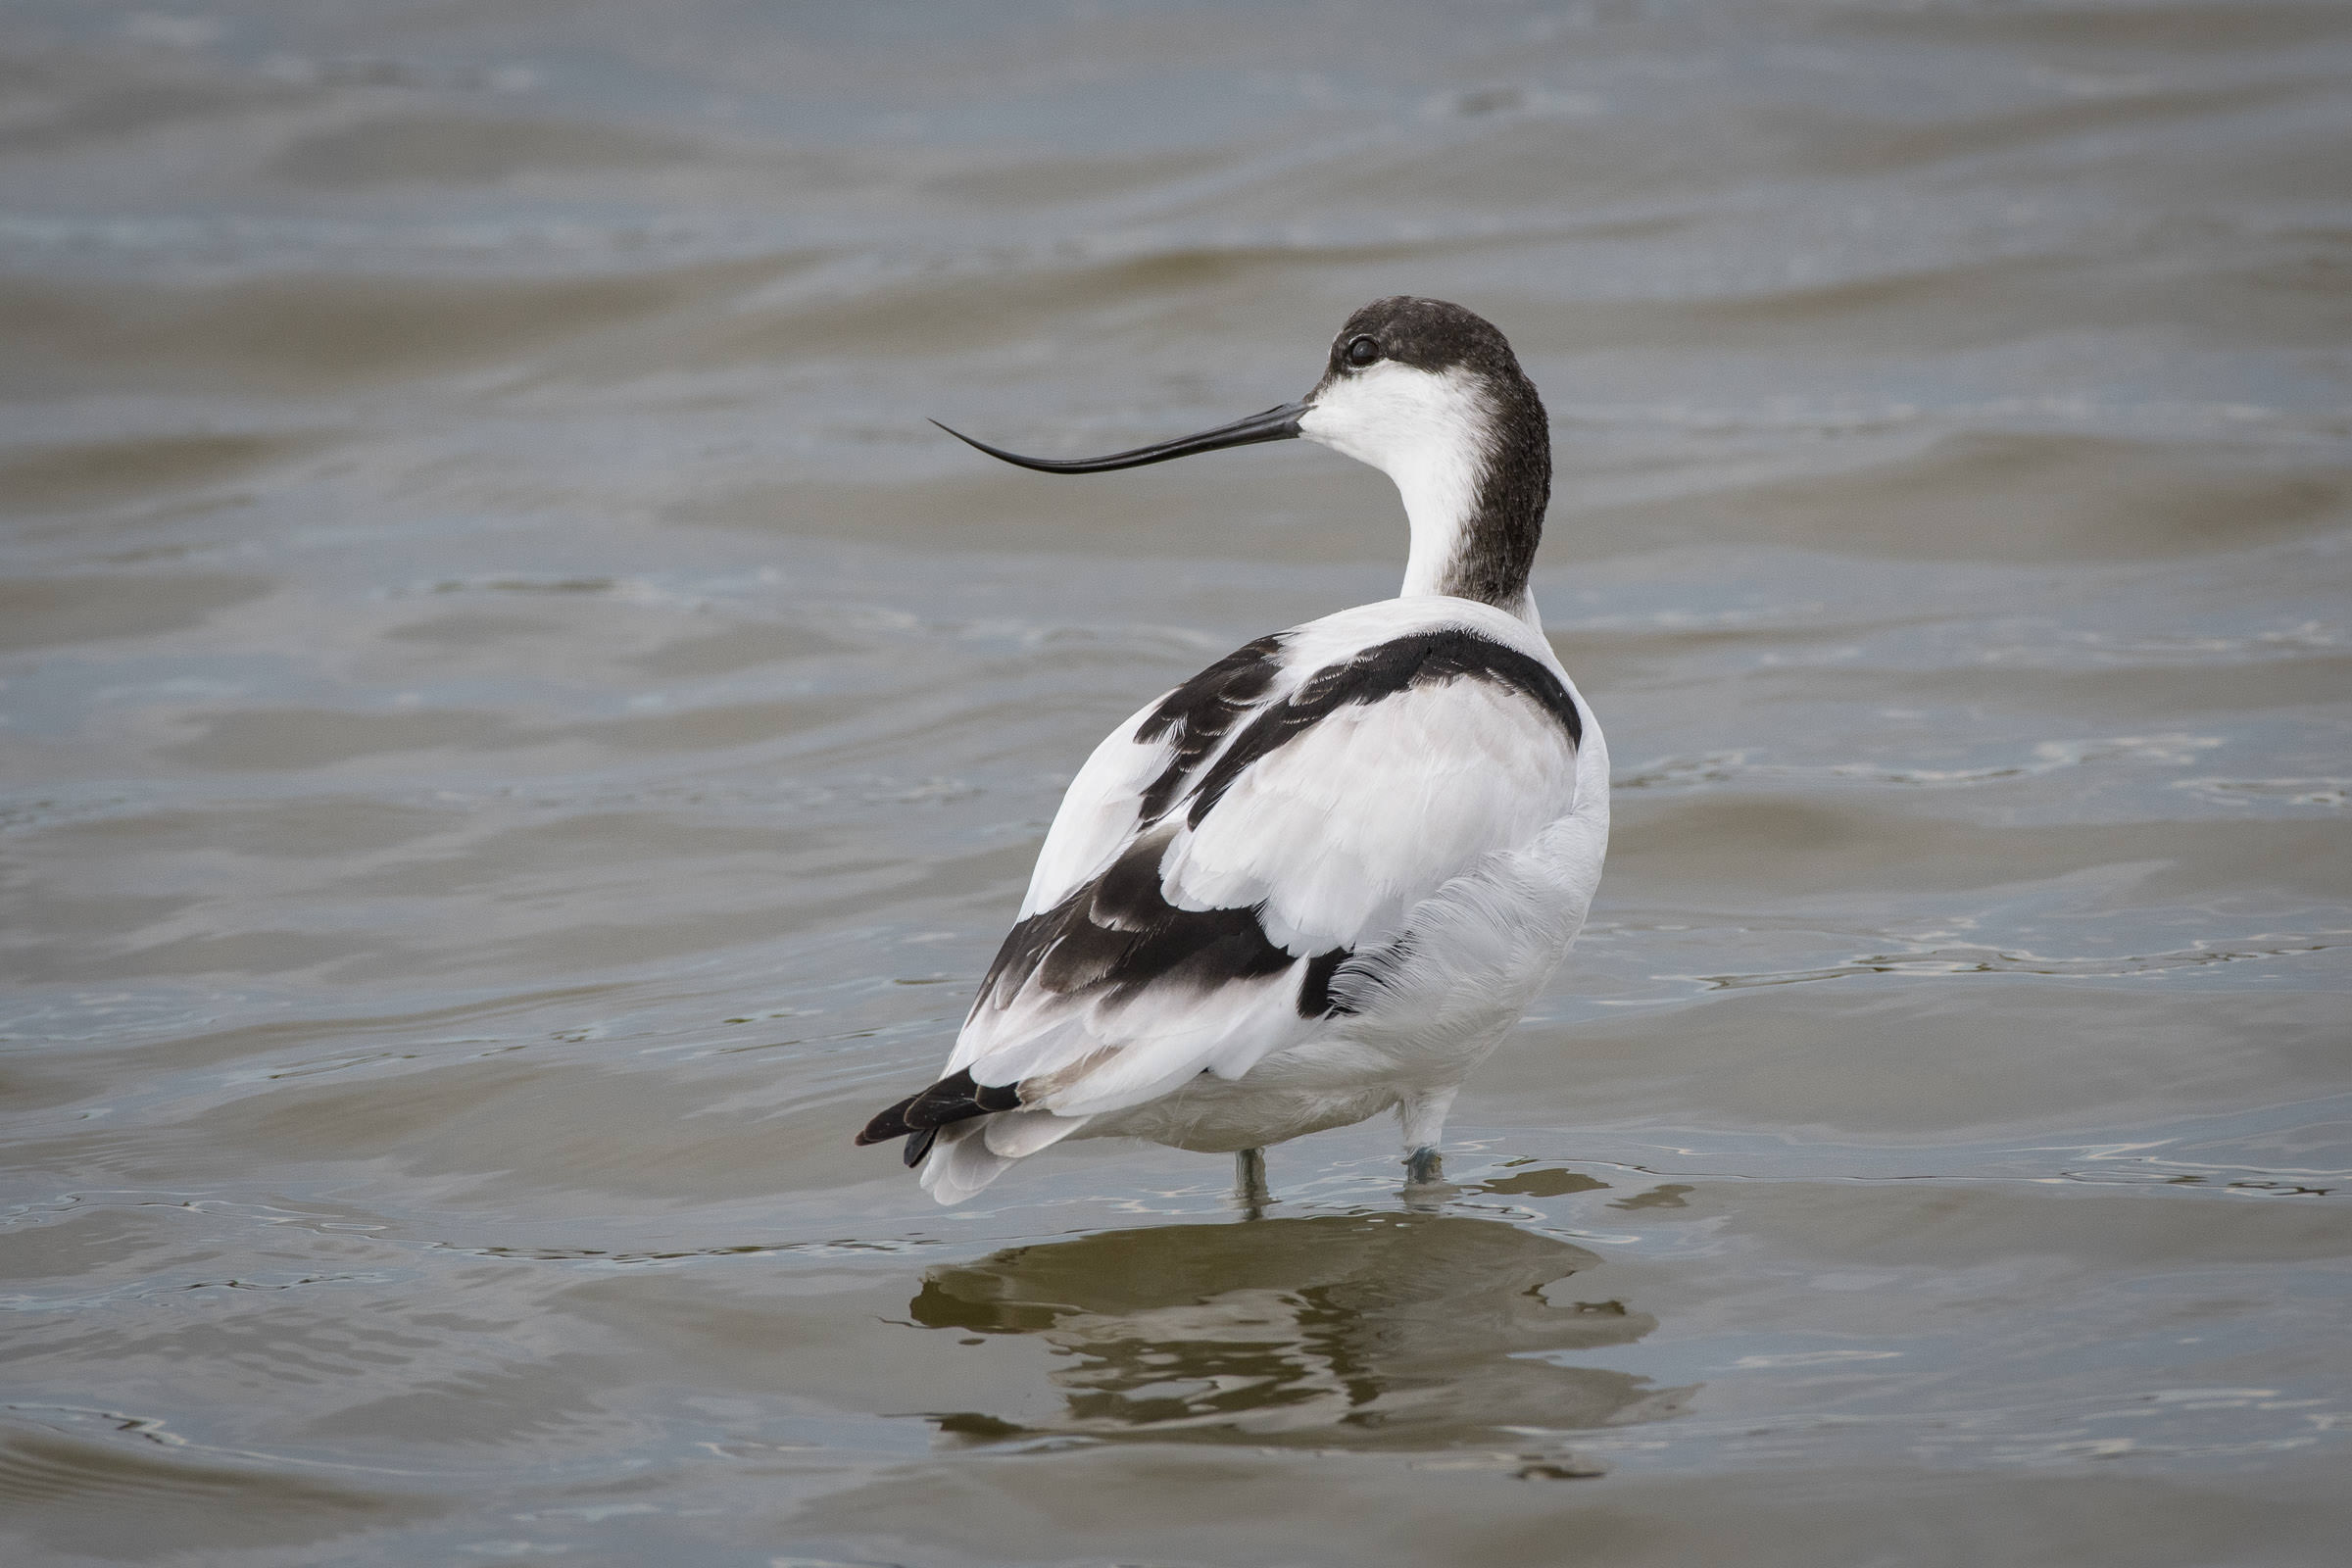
<point x="1322" y="878"/>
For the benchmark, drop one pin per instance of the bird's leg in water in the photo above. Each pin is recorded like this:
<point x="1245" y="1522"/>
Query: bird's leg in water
<point x="1423" y="1117"/>
<point x="1249" y="1179"/>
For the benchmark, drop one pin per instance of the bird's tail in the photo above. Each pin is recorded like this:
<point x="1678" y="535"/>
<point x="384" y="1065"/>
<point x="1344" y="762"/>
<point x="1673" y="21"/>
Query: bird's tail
<point x="968" y="1156"/>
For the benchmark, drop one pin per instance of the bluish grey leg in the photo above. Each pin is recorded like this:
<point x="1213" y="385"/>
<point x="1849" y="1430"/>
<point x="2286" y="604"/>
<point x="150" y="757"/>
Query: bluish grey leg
<point x="1422" y="1117"/>
<point x="1249" y="1187"/>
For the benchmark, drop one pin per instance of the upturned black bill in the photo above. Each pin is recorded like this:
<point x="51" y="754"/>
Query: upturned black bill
<point x="1275" y="424"/>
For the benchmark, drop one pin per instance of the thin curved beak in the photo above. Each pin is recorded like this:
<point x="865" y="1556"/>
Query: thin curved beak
<point x="1275" y="424"/>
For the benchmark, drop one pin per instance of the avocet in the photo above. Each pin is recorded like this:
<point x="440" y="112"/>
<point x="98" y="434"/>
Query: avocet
<point x="1319" y="880"/>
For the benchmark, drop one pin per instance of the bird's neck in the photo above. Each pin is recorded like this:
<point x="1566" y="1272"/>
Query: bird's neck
<point x="1475" y="504"/>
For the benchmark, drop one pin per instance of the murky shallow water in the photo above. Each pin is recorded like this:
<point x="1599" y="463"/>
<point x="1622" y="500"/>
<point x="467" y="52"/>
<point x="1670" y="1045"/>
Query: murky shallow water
<point x="518" y="737"/>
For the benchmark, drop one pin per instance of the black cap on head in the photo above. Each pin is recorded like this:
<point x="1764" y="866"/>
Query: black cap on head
<point x="1426" y="334"/>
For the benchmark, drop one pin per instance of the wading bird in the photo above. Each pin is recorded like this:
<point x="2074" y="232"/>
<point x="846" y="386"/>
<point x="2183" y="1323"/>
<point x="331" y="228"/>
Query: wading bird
<point x="1322" y="878"/>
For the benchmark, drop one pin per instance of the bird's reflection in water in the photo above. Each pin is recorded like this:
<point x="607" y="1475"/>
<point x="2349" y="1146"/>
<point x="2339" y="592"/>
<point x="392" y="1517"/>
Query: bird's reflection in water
<point x="1399" y="1331"/>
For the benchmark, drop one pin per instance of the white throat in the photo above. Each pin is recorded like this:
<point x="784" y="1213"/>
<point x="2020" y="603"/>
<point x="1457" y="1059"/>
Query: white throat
<point x="1429" y="432"/>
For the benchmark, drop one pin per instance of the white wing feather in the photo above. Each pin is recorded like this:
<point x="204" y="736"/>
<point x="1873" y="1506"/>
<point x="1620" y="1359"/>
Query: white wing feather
<point x="1339" y="833"/>
<point x="1097" y="818"/>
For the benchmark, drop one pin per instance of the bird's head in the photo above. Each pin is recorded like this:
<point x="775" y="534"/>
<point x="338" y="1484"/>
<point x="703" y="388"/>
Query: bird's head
<point x="1430" y="394"/>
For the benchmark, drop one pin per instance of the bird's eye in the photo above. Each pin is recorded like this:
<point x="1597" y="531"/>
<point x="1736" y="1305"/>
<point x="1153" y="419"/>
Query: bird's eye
<point x="1362" y="351"/>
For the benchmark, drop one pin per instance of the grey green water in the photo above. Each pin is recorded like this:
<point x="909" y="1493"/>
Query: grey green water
<point x="517" y="737"/>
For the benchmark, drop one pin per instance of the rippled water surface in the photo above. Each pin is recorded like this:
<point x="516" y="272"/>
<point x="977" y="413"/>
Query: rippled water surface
<point x="517" y="737"/>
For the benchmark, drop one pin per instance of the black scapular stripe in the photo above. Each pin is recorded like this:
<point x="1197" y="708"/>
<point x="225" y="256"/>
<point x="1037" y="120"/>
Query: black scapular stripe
<point x="1398" y="665"/>
<point x="1201" y="713"/>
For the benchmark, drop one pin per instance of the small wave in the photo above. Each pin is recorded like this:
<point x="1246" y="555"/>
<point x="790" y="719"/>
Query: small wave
<point x="2049" y="757"/>
<point x="1954" y="960"/>
<point x="2327" y="794"/>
